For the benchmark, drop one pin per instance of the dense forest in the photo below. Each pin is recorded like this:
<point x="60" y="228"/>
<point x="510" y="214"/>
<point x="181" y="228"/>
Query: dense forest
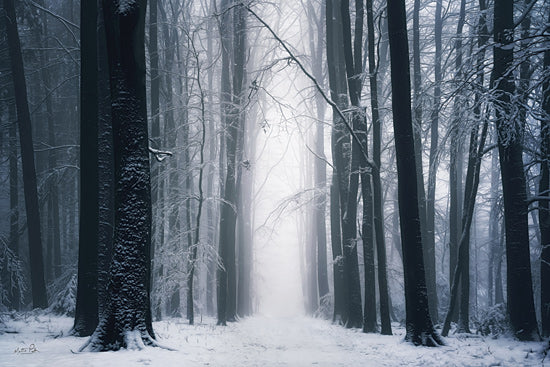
<point x="385" y="163"/>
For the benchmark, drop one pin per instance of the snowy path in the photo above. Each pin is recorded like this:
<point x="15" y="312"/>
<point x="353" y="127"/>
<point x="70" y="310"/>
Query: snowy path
<point x="259" y="341"/>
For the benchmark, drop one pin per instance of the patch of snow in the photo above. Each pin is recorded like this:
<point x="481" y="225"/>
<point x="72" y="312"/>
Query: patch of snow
<point x="256" y="341"/>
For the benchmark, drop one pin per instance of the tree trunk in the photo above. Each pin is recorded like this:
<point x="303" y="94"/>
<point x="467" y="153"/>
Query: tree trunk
<point x="432" y="173"/>
<point x="14" y="290"/>
<point x="86" y="316"/>
<point x="354" y="68"/>
<point x="105" y="170"/>
<point x="38" y="286"/>
<point x="377" y="182"/>
<point x="519" y="283"/>
<point x="319" y="164"/>
<point x="336" y="245"/>
<point x="340" y="151"/>
<point x="126" y="322"/>
<point x="420" y="330"/>
<point x="544" y="205"/>
<point x="461" y="275"/>
<point x="369" y="316"/>
<point x="428" y="246"/>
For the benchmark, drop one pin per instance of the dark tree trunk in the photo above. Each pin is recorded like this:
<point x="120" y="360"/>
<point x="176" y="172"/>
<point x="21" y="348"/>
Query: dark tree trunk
<point x="494" y="233"/>
<point x="232" y="116"/>
<point x="14" y="292"/>
<point x="544" y="207"/>
<point x="196" y="240"/>
<point x="237" y="144"/>
<point x="319" y="164"/>
<point x="369" y="316"/>
<point x="420" y="330"/>
<point x="354" y="68"/>
<point x="105" y="170"/>
<point x="226" y="238"/>
<point x="38" y="286"/>
<point x="336" y="245"/>
<point x="156" y="182"/>
<point x="428" y="248"/>
<point x="210" y="210"/>
<point x="434" y="143"/>
<point x="340" y="149"/>
<point x="377" y="182"/>
<point x="126" y="322"/>
<point x="499" y="291"/>
<point x="86" y="316"/>
<point x="461" y="275"/>
<point x="456" y="156"/>
<point x="519" y="283"/>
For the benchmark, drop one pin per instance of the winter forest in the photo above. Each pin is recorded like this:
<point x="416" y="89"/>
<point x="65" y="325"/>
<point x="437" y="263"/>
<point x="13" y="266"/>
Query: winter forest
<point x="275" y="183"/>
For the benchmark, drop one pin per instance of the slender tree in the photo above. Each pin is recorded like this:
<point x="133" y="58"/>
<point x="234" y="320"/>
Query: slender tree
<point x="377" y="181"/>
<point x="38" y="285"/>
<point x="419" y="327"/>
<point x="86" y="295"/>
<point x="544" y="205"/>
<point x="429" y="250"/>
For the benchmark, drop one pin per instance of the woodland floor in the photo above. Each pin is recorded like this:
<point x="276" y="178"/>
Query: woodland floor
<point x="256" y="341"/>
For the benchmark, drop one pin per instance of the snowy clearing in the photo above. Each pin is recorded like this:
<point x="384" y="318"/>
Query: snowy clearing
<point x="257" y="341"/>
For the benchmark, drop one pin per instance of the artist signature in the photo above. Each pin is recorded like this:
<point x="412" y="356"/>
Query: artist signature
<point x="26" y="350"/>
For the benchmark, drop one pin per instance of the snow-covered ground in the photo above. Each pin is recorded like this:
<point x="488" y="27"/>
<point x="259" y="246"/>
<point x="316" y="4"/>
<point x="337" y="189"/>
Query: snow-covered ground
<point x="256" y="341"/>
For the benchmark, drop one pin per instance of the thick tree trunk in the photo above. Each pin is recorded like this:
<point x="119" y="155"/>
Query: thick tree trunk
<point x="38" y="286"/>
<point x="420" y="330"/>
<point x="126" y="322"/>
<point x="519" y="283"/>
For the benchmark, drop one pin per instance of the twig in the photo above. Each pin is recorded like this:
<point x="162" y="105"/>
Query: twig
<point x="317" y="86"/>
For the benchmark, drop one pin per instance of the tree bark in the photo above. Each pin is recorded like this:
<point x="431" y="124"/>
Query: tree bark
<point x="377" y="182"/>
<point x="14" y="290"/>
<point x="340" y="150"/>
<point x="521" y="307"/>
<point x="544" y="205"/>
<point x="428" y="247"/>
<point x="126" y="322"/>
<point x="86" y="316"/>
<point x="420" y="330"/>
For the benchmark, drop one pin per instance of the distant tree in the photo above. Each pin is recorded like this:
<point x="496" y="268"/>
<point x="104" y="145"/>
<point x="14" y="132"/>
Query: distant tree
<point x="419" y="327"/>
<point x="126" y="322"/>
<point x="38" y="286"/>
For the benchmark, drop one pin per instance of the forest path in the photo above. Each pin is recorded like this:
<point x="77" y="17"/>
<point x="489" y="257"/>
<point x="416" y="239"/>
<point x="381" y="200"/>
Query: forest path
<point x="257" y="341"/>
